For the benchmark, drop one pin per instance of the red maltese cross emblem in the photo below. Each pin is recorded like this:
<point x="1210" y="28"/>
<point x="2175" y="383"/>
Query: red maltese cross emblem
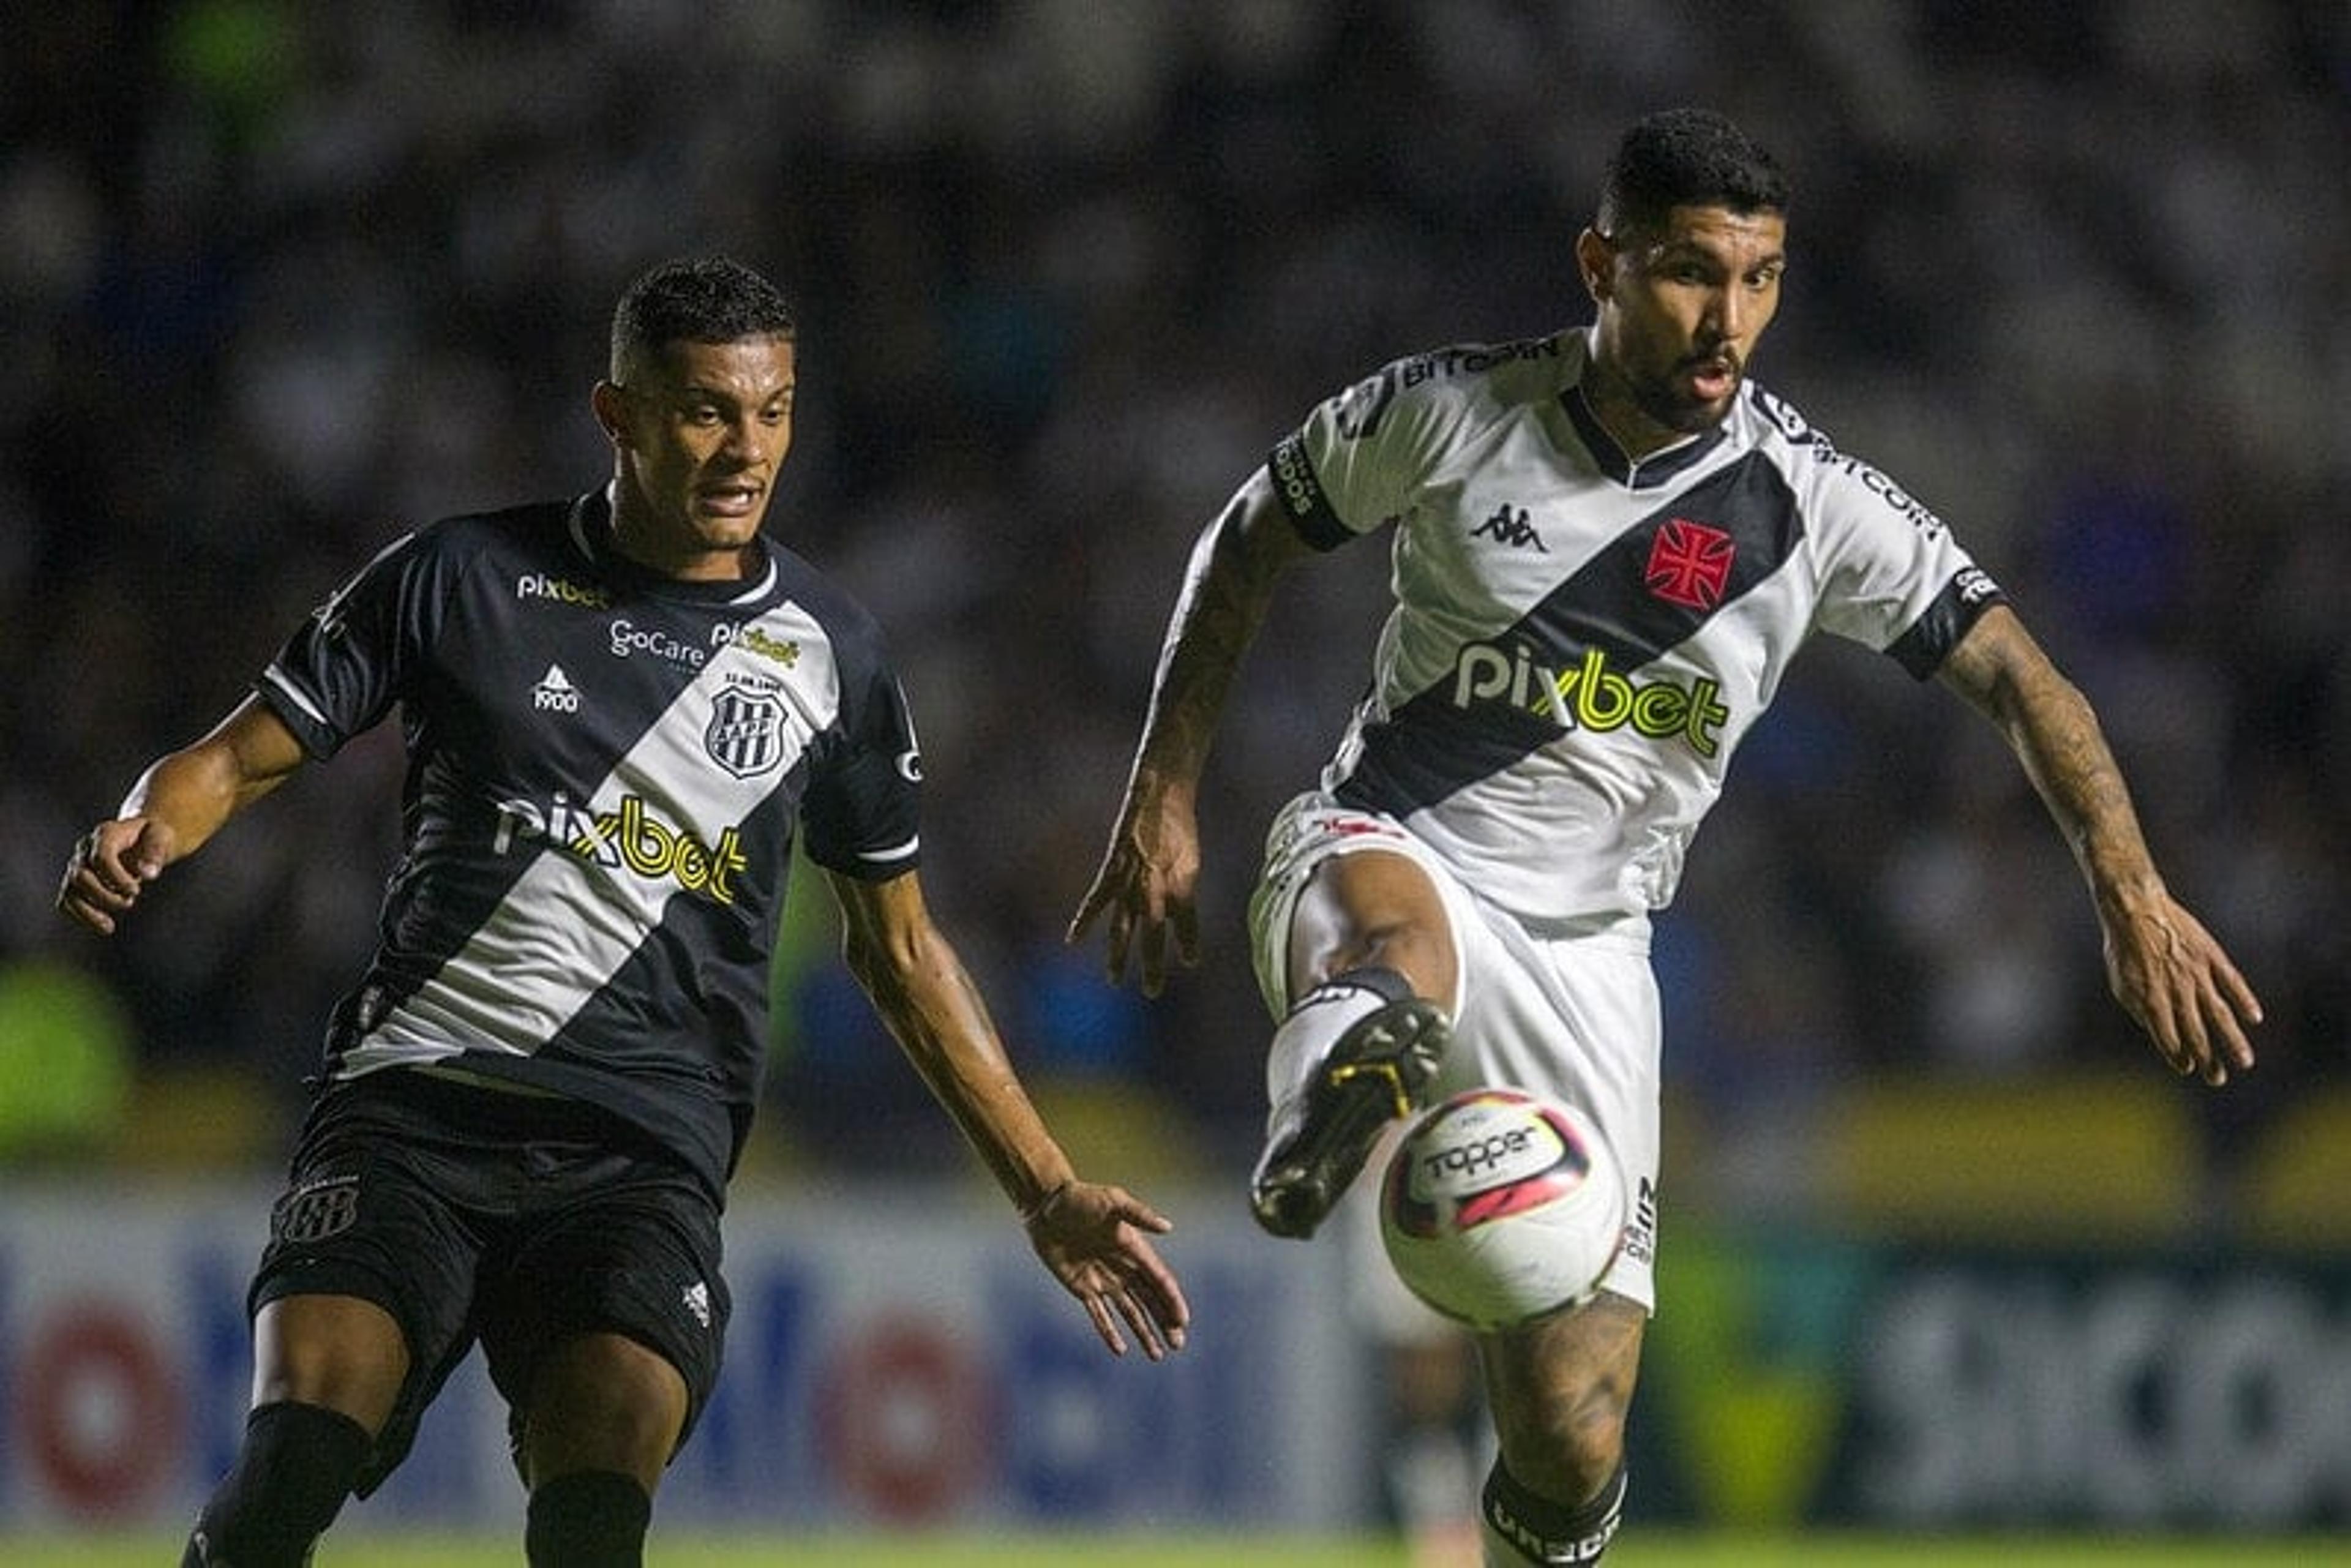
<point x="1689" y="564"/>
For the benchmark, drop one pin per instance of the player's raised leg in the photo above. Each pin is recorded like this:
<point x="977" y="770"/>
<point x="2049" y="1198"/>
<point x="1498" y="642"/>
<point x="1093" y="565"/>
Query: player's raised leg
<point x="1371" y="950"/>
<point x="1559" y="1389"/>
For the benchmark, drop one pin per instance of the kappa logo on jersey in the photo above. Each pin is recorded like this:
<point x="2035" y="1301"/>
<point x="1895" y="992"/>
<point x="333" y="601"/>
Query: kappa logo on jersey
<point x="562" y="590"/>
<point x="630" y="838"/>
<point x="1511" y="525"/>
<point x="1590" y="695"/>
<point x="1689" y="564"/>
<point x="555" y="693"/>
<point x="746" y="733"/>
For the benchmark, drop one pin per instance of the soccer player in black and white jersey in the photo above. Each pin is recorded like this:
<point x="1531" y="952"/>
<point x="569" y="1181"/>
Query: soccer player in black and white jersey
<point x="619" y="710"/>
<point x="1608" y="545"/>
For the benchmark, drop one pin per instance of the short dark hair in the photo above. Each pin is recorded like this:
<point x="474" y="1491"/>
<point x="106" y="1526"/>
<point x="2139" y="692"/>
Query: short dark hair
<point x="1683" y="157"/>
<point x="696" y="300"/>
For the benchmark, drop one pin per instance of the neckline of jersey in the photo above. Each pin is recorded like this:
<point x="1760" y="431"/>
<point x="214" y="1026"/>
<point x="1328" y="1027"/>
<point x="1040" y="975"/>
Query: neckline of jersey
<point x="1634" y="474"/>
<point x="591" y="534"/>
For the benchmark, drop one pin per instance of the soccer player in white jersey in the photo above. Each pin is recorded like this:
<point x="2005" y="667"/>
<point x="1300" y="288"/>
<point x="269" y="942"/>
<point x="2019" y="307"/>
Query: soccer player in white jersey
<point x="1608" y="546"/>
<point x="620" y="710"/>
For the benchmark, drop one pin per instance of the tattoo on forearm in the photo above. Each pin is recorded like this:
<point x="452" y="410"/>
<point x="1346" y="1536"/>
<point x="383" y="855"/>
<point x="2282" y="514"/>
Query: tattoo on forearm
<point x="1214" y="625"/>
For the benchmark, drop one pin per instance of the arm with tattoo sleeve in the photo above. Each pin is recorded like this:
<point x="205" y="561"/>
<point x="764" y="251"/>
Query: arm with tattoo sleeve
<point x="1148" y="875"/>
<point x="2168" y="972"/>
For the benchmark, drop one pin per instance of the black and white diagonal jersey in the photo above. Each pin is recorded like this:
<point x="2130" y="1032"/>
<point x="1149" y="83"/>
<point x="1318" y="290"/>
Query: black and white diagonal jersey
<point x="606" y="768"/>
<point x="1579" y="642"/>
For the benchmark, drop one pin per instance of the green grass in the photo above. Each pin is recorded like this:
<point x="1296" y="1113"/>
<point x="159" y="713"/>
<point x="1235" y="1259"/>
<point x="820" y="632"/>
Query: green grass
<point x="1635" y="1549"/>
<point x="1834" y="1550"/>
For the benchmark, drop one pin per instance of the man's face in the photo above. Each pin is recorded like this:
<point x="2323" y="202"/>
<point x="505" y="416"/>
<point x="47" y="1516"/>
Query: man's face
<point x="700" y="432"/>
<point x="1681" y="310"/>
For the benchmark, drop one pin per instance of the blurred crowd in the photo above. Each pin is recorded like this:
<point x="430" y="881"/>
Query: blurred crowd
<point x="278" y="281"/>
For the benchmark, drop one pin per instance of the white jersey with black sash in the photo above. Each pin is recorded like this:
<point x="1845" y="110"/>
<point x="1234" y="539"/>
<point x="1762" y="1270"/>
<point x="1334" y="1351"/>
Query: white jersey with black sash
<point x="606" y="771"/>
<point x="1579" y="641"/>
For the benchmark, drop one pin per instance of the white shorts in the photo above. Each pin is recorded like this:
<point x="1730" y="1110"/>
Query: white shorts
<point x="1573" y="1014"/>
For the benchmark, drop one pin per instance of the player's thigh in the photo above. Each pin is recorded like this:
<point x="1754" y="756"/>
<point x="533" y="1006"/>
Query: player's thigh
<point x="619" y="1279"/>
<point x="361" y="1297"/>
<point x="1342" y="888"/>
<point x="1577" y="1019"/>
<point x="1560" y="1387"/>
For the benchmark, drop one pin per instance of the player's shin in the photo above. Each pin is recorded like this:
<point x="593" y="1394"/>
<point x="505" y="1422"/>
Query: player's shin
<point x="289" y="1481"/>
<point x="1519" y="1527"/>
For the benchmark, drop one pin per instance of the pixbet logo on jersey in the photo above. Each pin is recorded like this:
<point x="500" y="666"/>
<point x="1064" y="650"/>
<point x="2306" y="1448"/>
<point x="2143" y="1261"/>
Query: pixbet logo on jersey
<point x="784" y="651"/>
<point x="1591" y="696"/>
<point x="562" y="590"/>
<point x="630" y="838"/>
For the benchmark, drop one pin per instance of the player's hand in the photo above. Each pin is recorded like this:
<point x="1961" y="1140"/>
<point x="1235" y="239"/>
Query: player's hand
<point x="1093" y="1238"/>
<point x="109" y="866"/>
<point x="2172" y="975"/>
<point x="1146" y="885"/>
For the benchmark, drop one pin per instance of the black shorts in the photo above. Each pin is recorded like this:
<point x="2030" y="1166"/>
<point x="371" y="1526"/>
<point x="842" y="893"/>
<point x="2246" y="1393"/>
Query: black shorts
<point x="519" y="1221"/>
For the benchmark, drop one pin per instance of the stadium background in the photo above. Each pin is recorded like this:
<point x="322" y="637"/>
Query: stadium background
<point x="280" y="279"/>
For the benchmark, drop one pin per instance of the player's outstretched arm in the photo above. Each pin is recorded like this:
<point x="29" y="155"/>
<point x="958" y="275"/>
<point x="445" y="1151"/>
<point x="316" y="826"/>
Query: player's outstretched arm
<point x="2165" y="968"/>
<point x="1094" y="1237"/>
<point x="1146" y="883"/>
<point x="180" y="802"/>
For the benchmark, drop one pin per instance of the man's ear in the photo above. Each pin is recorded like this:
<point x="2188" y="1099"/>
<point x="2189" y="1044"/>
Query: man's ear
<point x="1595" y="259"/>
<point x="612" y="409"/>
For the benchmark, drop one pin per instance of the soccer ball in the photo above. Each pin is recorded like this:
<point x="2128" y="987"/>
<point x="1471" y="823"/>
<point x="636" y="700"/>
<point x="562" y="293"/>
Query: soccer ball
<point x="1500" y="1205"/>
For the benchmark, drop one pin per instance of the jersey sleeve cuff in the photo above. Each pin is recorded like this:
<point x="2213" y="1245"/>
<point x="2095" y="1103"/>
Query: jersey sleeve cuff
<point x="321" y="740"/>
<point x="1301" y="496"/>
<point x="1922" y="649"/>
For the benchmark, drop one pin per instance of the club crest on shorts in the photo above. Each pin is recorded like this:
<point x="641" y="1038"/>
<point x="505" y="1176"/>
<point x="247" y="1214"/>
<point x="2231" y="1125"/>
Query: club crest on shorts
<point x="746" y="734"/>
<point x="316" y="1210"/>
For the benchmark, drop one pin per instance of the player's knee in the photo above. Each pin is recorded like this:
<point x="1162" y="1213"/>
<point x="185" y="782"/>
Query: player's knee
<point x="603" y="1403"/>
<point x="1375" y="910"/>
<point x="296" y="1466"/>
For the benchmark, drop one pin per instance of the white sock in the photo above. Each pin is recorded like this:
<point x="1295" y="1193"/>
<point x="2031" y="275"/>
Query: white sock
<point x="1314" y="1026"/>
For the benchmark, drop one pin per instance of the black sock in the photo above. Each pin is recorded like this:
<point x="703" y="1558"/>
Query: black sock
<point x="288" y="1482"/>
<point x="1542" y="1531"/>
<point x="588" y="1519"/>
